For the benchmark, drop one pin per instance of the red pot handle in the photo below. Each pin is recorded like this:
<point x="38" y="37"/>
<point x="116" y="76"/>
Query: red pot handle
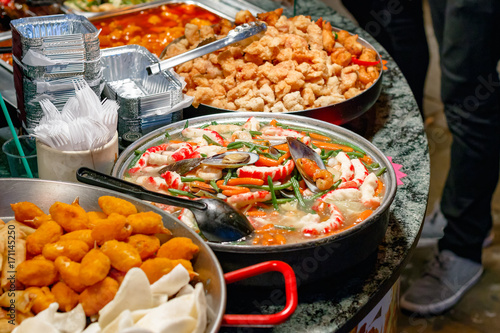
<point x="268" y="319"/>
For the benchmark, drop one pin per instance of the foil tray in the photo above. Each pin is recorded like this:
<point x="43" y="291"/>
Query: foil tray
<point x="145" y="101"/>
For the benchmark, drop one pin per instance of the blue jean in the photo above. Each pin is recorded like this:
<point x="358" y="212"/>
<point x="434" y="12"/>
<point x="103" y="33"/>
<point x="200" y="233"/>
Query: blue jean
<point x="467" y="32"/>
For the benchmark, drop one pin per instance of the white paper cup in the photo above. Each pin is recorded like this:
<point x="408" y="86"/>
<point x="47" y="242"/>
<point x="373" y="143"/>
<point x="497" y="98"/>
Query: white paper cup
<point x="61" y="165"/>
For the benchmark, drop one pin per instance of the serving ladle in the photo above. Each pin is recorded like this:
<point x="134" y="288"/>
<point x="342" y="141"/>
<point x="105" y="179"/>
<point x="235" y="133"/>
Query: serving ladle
<point x="218" y="221"/>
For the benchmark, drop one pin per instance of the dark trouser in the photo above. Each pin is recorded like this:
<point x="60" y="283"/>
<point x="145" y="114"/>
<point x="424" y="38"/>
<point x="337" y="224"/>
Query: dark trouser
<point x="398" y="26"/>
<point x="468" y="33"/>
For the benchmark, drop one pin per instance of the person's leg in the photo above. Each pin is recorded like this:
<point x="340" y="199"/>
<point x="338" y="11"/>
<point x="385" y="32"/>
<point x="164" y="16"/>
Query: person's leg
<point x="470" y="90"/>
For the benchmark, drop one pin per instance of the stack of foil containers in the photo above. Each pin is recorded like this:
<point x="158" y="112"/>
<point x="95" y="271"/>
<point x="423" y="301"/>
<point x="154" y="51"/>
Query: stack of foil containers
<point x="49" y="52"/>
<point x="146" y="102"/>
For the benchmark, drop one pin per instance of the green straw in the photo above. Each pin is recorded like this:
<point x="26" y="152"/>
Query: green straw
<point x="16" y="139"/>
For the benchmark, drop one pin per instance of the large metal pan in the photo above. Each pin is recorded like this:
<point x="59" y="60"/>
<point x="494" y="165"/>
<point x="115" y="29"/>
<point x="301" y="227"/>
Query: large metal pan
<point x="311" y="260"/>
<point x="337" y="114"/>
<point x="44" y="193"/>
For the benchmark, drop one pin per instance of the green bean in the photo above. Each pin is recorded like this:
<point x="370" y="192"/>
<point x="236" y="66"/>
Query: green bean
<point x="354" y="154"/>
<point x="167" y="135"/>
<point x="348" y="144"/>
<point x="260" y="152"/>
<point x="203" y="155"/>
<point x="235" y="145"/>
<point x="273" y="195"/>
<point x="210" y="141"/>
<point x="204" y="126"/>
<point x="317" y="196"/>
<point x="250" y="144"/>
<point x="302" y="129"/>
<point x="228" y="176"/>
<point x="295" y="185"/>
<point x="214" y="123"/>
<point x="179" y="192"/>
<point x="138" y="152"/>
<point x="381" y="172"/>
<point x="284" y="227"/>
<point x="214" y="185"/>
<point x="255" y="133"/>
<point x="186" y="124"/>
<point x="191" y="179"/>
<point x="138" y="155"/>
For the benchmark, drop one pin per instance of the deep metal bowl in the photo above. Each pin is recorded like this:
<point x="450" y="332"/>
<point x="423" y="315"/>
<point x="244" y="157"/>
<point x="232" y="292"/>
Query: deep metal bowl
<point x="311" y="260"/>
<point x="44" y="193"/>
<point x="338" y="114"/>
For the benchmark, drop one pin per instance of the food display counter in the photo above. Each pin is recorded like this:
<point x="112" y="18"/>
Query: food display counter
<point x="363" y="297"/>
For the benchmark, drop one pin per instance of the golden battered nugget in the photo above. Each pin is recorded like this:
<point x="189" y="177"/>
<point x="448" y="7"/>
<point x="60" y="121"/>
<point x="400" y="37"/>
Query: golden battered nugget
<point x="178" y="248"/>
<point x="26" y="211"/>
<point x="95" y="297"/>
<point x="146" y="245"/>
<point x="94" y="267"/>
<point x="73" y="249"/>
<point x="70" y="273"/>
<point x="48" y="232"/>
<point x="38" y="272"/>
<point x="147" y="223"/>
<point x="111" y="204"/>
<point x="157" y="267"/>
<point x="123" y="256"/>
<point x="69" y="217"/>
<point x="66" y="297"/>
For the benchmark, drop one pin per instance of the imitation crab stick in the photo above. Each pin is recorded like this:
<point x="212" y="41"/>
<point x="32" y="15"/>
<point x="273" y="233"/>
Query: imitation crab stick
<point x="245" y="181"/>
<point x="331" y="146"/>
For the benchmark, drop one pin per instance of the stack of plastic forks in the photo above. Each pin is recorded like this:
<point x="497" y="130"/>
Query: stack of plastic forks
<point x="48" y="53"/>
<point x="85" y="122"/>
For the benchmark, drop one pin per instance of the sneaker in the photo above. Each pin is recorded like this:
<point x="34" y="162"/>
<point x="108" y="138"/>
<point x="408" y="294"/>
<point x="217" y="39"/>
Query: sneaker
<point x="445" y="280"/>
<point x="433" y="229"/>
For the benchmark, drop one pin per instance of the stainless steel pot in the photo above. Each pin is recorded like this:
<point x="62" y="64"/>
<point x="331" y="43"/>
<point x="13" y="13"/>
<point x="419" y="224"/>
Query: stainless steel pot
<point x="311" y="260"/>
<point x="44" y="193"/>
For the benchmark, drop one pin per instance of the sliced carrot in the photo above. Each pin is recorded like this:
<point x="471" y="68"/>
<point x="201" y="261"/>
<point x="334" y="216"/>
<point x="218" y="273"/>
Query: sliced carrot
<point x="240" y="190"/>
<point x="245" y="181"/>
<point x="331" y="146"/>
<point x="230" y="188"/>
<point x="367" y="159"/>
<point x="256" y="213"/>
<point x="274" y="122"/>
<point x="364" y="215"/>
<point x="283" y="146"/>
<point x="283" y="157"/>
<point x="380" y="187"/>
<point x="319" y="137"/>
<point x="280" y="239"/>
<point x="302" y="184"/>
<point x="266" y="161"/>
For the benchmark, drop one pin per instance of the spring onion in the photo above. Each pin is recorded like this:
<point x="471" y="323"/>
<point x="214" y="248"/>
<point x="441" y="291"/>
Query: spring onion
<point x="210" y="141"/>
<point x="273" y="195"/>
<point x="191" y="179"/>
<point x="180" y="192"/>
<point x="296" y="190"/>
<point x="228" y="176"/>
<point x="214" y="185"/>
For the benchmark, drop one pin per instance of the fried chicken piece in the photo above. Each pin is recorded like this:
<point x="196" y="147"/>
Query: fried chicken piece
<point x="70" y="273"/>
<point x="352" y="92"/>
<point x="244" y="16"/>
<point x="301" y="22"/>
<point x="314" y="37"/>
<point x="293" y="101"/>
<point x="95" y="267"/>
<point x="270" y="17"/>
<point x="44" y="297"/>
<point x="69" y="217"/>
<point x="342" y="35"/>
<point x="328" y="100"/>
<point x="348" y="77"/>
<point x="93" y="216"/>
<point x="203" y="95"/>
<point x="308" y="96"/>
<point x="367" y="77"/>
<point x="111" y="204"/>
<point x="147" y="223"/>
<point x="157" y="267"/>
<point x="95" y="297"/>
<point x="38" y="272"/>
<point x="352" y="45"/>
<point x="178" y="248"/>
<point x="368" y="55"/>
<point x="115" y="226"/>
<point x="48" y="232"/>
<point x="117" y="275"/>
<point x="84" y="235"/>
<point x="123" y="256"/>
<point x="328" y="38"/>
<point x="73" y="249"/>
<point x="26" y="211"/>
<point x="145" y="245"/>
<point x="39" y="220"/>
<point x="192" y="33"/>
<point x="66" y="297"/>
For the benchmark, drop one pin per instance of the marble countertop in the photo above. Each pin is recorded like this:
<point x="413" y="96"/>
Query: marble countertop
<point x="395" y="126"/>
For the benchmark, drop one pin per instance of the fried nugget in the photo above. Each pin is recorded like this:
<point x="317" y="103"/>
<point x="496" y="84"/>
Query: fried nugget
<point x="111" y="204"/>
<point x="157" y="267"/>
<point x="26" y="211"/>
<point x="73" y="249"/>
<point x="69" y="217"/>
<point x="95" y="297"/>
<point x="113" y="227"/>
<point x="147" y="223"/>
<point x="123" y="256"/>
<point x="145" y="245"/>
<point x="93" y="216"/>
<point x="66" y="297"/>
<point x="84" y="235"/>
<point x="38" y="272"/>
<point x="48" y="232"/>
<point x="187" y="265"/>
<point x="178" y="248"/>
<point x="94" y="267"/>
<point x="44" y="297"/>
<point x="70" y="273"/>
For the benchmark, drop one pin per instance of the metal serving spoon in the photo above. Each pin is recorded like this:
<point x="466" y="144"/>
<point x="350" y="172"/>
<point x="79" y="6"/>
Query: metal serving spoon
<point x="217" y="220"/>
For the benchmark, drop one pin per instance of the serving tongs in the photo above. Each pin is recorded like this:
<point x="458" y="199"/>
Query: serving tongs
<point x="238" y="34"/>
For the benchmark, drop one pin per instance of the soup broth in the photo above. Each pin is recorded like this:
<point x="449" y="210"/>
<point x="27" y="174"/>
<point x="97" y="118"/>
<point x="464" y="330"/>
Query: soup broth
<point x="249" y="166"/>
